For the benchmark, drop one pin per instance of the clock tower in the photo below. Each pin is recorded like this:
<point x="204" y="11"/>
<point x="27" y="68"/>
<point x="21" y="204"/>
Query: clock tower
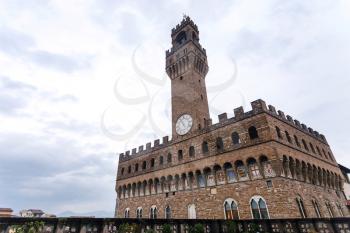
<point x="186" y="66"/>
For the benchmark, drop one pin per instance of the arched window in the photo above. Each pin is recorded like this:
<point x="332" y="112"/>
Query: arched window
<point x="136" y="167"/>
<point x="253" y="133"/>
<point x="167" y="212"/>
<point x="312" y="148"/>
<point x="304" y="144"/>
<point x="129" y="169"/>
<point x="153" y="212"/>
<point x="181" y="38"/>
<point x="179" y="155"/>
<point x="192" y="151"/>
<point x="219" y="144"/>
<point x="235" y="138"/>
<point x="329" y="209"/>
<point x="192" y="211"/>
<point x="122" y="171"/>
<point x="152" y="162"/>
<point x="301" y="207"/>
<point x="169" y="158"/>
<point x="289" y="139"/>
<point x="127" y="213"/>
<point x="278" y="131"/>
<point x="161" y="160"/>
<point x="205" y="148"/>
<point x="318" y="150"/>
<point x="144" y="165"/>
<point x="253" y="168"/>
<point x="259" y="208"/>
<point x="296" y="140"/>
<point x="231" y="209"/>
<point x="139" y="212"/>
<point x="316" y="208"/>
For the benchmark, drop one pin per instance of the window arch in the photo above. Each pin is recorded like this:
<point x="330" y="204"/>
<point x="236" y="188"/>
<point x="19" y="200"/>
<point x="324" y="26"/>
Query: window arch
<point x="129" y="169"/>
<point x="301" y="207"/>
<point x="192" y="151"/>
<point x="153" y="212"/>
<point x="180" y="155"/>
<point x="278" y="131"/>
<point x="304" y="144"/>
<point x="235" y="138"/>
<point x="161" y="160"/>
<point x="289" y="139"/>
<point x="139" y="212"/>
<point x="253" y="168"/>
<point x="136" y="167"/>
<point x="167" y="212"/>
<point x="127" y="213"/>
<point x="231" y="209"/>
<point x="152" y="162"/>
<point x="253" y="133"/>
<point x="316" y="208"/>
<point x="312" y="148"/>
<point x="259" y="208"/>
<point x="144" y="165"/>
<point x="205" y="148"/>
<point x="169" y="159"/>
<point x="192" y="211"/>
<point x="219" y="144"/>
<point x="122" y="171"/>
<point x="296" y="140"/>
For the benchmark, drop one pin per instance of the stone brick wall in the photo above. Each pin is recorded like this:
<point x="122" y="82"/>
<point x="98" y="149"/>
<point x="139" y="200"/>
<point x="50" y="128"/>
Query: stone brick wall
<point x="296" y="171"/>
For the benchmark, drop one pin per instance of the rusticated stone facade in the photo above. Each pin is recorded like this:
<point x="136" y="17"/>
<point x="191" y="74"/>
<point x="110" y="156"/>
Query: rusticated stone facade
<point x="256" y="164"/>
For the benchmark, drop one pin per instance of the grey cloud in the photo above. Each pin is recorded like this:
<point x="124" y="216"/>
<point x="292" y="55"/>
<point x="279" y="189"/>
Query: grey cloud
<point x="23" y="46"/>
<point x="13" y="42"/>
<point x="59" y="61"/>
<point x="13" y="95"/>
<point x="46" y="171"/>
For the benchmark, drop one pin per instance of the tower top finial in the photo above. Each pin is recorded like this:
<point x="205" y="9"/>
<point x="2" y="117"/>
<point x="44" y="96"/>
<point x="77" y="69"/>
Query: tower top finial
<point x="186" y="20"/>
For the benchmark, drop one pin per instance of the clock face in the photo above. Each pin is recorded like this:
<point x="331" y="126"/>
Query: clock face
<point x="184" y="124"/>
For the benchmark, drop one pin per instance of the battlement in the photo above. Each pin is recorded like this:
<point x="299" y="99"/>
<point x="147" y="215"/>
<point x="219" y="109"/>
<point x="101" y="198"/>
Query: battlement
<point x="185" y="21"/>
<point x="258" y="106"/>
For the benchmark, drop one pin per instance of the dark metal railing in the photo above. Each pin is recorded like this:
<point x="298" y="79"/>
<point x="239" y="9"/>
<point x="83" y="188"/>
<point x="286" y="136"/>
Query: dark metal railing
<point x="119" y="225"/>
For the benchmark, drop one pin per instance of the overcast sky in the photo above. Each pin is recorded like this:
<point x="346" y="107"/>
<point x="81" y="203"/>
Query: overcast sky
<point x="82" y="81"/>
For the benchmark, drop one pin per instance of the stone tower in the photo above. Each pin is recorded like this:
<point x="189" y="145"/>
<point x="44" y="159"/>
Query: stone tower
<point x="186" y="65"/>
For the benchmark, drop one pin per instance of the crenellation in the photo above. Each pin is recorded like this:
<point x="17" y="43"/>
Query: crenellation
<point x="281" y="114"/>
<point x="156" y="142"/>
<point x="127" y="153"/>
<point x="140" y="148"/>
<point x="222" y="117"/>
<point x="165" y="140"/>
<point x="311" y="130"/>
<point x="133" y="152"/>
<point x="290" y="119"/>
<point x="258" y="106"/>
<point x="297" y="123"/>
<point x="239" y="112"/>
<point x="148" y="146"/>
<point x="272" y="109"/>
<point x="304" y="127"/>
